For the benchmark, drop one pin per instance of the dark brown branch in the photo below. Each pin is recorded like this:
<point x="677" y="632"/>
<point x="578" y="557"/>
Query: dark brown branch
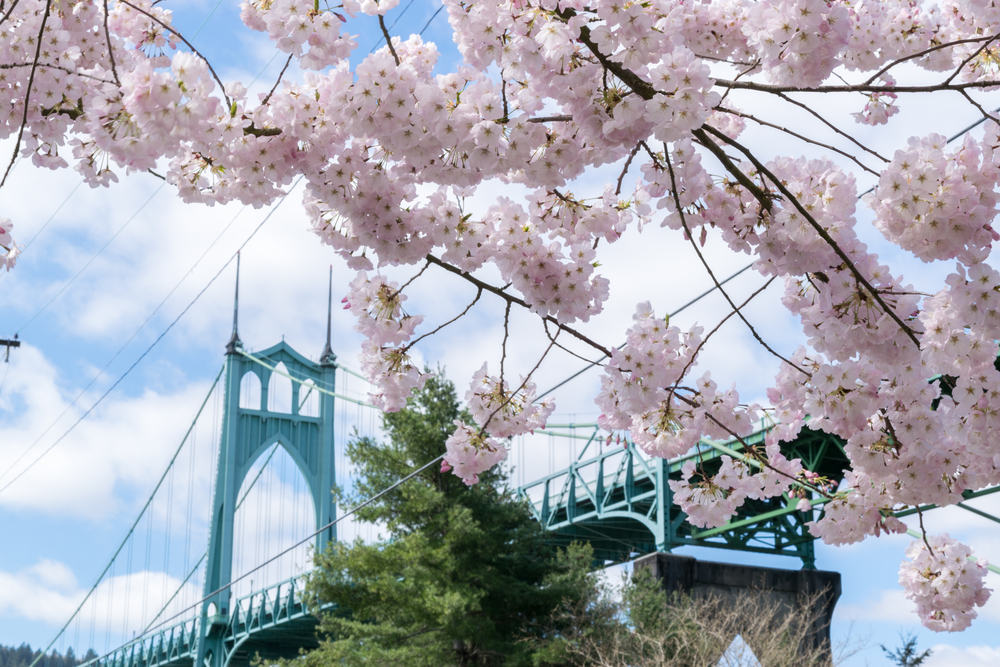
<point x="830" y="125"/>
<point x="798" y="136"/>
<point x="27" y="92"/>
<point x="711" y="274"/>
<point x="856" y="88"/>
<point x="703" y="136"/>
<point x="388" y="39"/>
<point x="9" y="11"/>
<point x="513" y="299"/>
<point x="189" y="45"/>
<point x="621" y="176"/>
<point x="278" y="82"/>
<point x="969" y="59"/>
<point x="921" y="54"/>
<point x="107" y="37"/>
<point x="506" y="335"/>
<point x="986" y="114"/>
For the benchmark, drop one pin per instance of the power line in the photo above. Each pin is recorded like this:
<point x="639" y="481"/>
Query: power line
<point x="155" y="342"/>
<point x="122" y="348"/>
<point x="693" y="301"/>
<point x="91" y="260"/>
<point x="433" y="16"/>
<point x="306" y="539"/>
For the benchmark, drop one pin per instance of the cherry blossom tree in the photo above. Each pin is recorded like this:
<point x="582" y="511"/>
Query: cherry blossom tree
<point x="550" y="91"/>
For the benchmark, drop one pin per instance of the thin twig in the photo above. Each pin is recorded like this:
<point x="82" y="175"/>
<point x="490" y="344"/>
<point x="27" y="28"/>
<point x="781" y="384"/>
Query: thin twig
<point x="189" y="45"/>
<point x="107" y="36"/>
<point x="506" y="335"/>
<point x="27" y="92"/>
<point x="276" y="83"/>
<point x="513" y="299"/>
<point x="9" y="11"/>
<point x="832" y="126"/>
<point x="798" y="136"/>
<point x="718" y="326"/>
<point x="479" y="293"/>
<point x="621" y="176"/>
<point x="388" y="40"/>
<point x="702" y="136"/>
<point x="711" y="274"/>
<point x="921" y="54"/>
<point x="976" y="104"/>
<point x="969" y="59"/>
<point x="564" y="348"/>
<point x="514" y="393"/>
<point x="920" y="517"/>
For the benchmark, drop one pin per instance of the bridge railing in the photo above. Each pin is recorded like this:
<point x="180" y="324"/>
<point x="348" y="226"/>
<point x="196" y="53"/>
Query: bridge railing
<point x="175" y="643"/>
<point x="282" y="602"/>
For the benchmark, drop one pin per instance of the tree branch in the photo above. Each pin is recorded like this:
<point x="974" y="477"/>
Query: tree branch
<point x="513" y="299"/>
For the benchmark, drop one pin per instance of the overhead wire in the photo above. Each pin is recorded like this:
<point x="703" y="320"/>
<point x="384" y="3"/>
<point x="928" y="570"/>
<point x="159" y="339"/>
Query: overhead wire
<point x="125" y="344"/>
<point x="131" y="530"/>
<point x="155" y="342"/>
<point x="270" y="560"/>
<point x="90" y="261"/>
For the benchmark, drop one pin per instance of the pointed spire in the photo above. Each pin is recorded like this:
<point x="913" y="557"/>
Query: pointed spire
<point x="235" y="341"/>
<point x="327" y="358"/>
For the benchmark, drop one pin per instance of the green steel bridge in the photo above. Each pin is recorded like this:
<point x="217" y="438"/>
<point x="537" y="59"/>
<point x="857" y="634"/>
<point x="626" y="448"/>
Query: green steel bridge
<point x="613" y="496"/>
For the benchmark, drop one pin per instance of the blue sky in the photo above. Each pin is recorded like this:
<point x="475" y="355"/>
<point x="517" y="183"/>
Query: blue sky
<point x="61" y="520"/>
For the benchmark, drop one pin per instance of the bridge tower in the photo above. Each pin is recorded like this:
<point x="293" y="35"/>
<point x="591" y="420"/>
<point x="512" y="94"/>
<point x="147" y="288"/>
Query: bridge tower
<point x="246" y="434"/>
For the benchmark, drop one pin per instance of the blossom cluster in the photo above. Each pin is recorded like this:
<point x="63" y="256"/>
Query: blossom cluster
<point x="378" y="305"/>
<point x="502" y="412"/>
<point x="945" y="583"/>
<point x="393" y="147"/>
<point x="468" y="453"/>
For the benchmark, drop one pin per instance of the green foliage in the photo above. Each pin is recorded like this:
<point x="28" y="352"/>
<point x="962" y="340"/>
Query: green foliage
<point x="22" y="656"/>
<point x="906" y="655"/>
<point x="465" y="574"/>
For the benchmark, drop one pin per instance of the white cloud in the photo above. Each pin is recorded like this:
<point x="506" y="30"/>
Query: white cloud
<point x="125" y="601"/>
<point x="944" y="655"/>
<point x="889" y="606"/>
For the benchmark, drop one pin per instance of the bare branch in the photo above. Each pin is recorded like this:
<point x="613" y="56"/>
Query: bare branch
<point x="702" y="136"/>
<point x="711" y="274"/>
<point x="278" y="82"/>
<point x="513" y="299"/>
<point x="832" y="126"/>
<point x="189" y="45"/>
<point x="107" y="37"/>
<point x="621" y="176"/>
<point x="765" y="123"/>
<point x="388" y="39"/>
<point x="27" y="92"/>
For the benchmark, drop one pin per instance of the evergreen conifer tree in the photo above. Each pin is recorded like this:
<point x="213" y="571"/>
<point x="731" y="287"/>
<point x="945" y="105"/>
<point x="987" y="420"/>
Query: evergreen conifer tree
<point x="463" y="577"/>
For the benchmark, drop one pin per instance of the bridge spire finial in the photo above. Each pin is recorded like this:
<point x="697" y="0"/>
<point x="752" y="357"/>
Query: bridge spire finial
<point x="235" y="341"/>
<point x="328" y="357"/>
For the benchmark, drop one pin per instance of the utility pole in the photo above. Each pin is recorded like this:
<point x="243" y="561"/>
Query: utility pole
<point x="9" y="344"/>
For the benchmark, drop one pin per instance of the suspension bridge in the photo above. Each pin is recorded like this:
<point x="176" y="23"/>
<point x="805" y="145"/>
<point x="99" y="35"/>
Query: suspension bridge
<point x="278" y="423"/>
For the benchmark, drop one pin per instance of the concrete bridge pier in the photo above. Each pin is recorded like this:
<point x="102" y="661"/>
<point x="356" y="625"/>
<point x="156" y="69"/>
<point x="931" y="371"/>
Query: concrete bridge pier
<point x="787" y="588"/>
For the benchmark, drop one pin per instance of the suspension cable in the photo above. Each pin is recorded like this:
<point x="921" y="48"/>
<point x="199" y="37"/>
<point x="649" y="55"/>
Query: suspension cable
<point x="138" y="518"/>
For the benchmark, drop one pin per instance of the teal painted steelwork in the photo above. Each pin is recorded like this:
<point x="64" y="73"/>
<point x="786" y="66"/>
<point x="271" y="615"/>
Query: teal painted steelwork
<point x="272" y="623"/>
<point x="246" y="434"/>
<point x="620" y="502"/>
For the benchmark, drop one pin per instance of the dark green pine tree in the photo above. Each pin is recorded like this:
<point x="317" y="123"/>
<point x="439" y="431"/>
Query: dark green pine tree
<point x="465" y="576"/>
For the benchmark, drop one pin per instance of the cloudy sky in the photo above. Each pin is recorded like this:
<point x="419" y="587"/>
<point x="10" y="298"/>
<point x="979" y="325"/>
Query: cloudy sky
<point x="107" y="271"/>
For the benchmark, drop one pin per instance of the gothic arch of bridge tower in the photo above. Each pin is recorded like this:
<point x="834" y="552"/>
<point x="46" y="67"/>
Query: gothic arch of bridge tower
<point x="247" y="432"/>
